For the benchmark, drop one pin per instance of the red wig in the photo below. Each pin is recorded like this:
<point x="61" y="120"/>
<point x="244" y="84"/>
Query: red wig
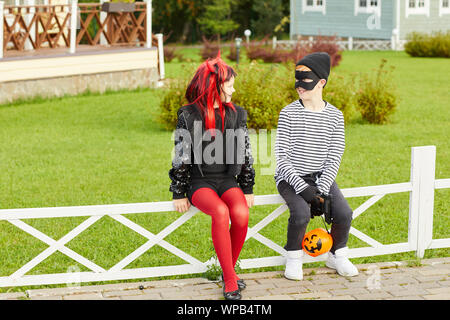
<point x="204" y="89"/>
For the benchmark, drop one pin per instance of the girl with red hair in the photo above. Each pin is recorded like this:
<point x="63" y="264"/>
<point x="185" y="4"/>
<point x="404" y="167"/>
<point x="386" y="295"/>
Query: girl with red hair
<point x="215" y="174"/>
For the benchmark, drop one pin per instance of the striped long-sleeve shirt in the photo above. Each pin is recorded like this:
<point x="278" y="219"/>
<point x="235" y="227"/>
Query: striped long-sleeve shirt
<point x="307" y="142"/>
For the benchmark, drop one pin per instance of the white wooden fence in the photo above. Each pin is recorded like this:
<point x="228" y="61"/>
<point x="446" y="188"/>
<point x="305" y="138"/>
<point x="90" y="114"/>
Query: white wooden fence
<point x="421" y="204"/>
<point x="348" y="44"/>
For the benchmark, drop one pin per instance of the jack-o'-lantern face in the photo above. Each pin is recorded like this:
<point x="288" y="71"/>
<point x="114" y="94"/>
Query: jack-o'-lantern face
<point x="317" y="242"/>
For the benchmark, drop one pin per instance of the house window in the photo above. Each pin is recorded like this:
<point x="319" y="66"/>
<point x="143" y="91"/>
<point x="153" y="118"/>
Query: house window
<point x="421" y="7"/>
<point x="367" y="6"/>
<point x="314" y="6"/>
<point x="444" y="7"/>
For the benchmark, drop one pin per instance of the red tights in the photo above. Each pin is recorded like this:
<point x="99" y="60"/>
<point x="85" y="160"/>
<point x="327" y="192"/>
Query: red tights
<point x="227" y="241"/>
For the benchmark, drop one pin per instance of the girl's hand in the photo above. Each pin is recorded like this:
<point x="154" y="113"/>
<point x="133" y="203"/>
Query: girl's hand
<point x="250" y="199"/>
<point x="181" y="205"/>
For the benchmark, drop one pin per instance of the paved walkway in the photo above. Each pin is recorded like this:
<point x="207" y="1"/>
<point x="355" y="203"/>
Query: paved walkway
<point x="377" y="281"/>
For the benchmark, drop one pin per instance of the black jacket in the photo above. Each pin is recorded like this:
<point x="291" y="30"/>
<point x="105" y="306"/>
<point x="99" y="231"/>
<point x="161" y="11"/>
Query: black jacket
<point x="182" y="163"/>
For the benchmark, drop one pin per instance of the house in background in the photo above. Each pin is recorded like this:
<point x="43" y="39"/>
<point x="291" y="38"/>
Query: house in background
<point x="390" y="20"/>
<point x="47" y="51"/>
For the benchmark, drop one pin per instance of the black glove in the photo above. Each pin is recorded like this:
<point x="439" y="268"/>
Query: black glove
<point x="316" y="209"/>
<point x="322" y="206"/>
<point x="310" y="194"/>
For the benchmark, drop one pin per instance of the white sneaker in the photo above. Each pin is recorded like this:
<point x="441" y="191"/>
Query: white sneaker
<point x="294" y="265"/>
<point x="341" y="264"/>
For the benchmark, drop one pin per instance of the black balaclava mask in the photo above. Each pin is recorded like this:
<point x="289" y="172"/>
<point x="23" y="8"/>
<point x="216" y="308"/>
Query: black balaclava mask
<point x="300" y="76"/>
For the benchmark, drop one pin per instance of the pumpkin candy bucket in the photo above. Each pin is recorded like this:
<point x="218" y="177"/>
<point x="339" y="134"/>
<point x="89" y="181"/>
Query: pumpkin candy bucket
<point x="317" y="242"/>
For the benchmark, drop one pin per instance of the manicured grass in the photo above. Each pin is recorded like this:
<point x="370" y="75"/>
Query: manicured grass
<point x="106" y="149"/>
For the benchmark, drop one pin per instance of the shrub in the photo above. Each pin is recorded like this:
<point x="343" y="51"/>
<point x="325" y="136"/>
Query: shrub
<point x="260" y="91"/>
<point x="174" y="98"/>
<point x="268" y="54"/>
<point x="436" y="44"/>
<point x="263" y="90"/>
<point x="209" y="50"/>
<point x="258" y="50"/>
<point x="376" y="98"/>
<point x="232" y="55"/>
<point x="169" y="106"/>
<point x="330" y="46"/>
<point x="297" y="53"/>
<point x="340" y="92"/>
<point x="171" y="53"/>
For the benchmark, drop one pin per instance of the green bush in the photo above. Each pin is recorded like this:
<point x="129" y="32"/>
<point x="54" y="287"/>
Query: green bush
<point x="261" y="90"/>
<point x="175" y="97"/>
<point x="340" y="92"/>
<point x="376" y="98"/>
<point x="170" y="104"/>
<point x="436" y="44"/>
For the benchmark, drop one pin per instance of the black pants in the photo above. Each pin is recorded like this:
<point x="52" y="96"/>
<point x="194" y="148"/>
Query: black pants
<point x="300" y="214"/>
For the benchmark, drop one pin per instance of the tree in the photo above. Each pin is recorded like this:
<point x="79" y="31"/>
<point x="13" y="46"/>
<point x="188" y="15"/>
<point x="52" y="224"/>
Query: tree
<point x="269" y="15"/>
<point x="176" y="17"/>
<point x="187" y="20"/>
<point x="217" y="18"/>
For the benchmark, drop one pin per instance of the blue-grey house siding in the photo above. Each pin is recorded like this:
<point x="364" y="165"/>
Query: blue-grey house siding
<point x="340" y="20"/>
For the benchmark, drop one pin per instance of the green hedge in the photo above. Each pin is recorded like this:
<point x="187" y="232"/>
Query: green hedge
<point x="436" y="44"/>
<point x="264" y="89"/>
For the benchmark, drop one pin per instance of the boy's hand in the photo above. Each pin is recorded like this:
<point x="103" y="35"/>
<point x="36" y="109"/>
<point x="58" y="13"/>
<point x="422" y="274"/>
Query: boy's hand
<point x="310" y="194"/>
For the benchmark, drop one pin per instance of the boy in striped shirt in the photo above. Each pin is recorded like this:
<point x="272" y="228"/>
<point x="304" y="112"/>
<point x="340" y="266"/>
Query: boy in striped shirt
<point x="309" y="146"/>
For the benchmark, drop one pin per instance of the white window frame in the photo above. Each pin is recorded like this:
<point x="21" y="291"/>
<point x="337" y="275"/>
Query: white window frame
<point x="314" y="7"/>
<point x="368" y="9"/>
<point x="425" y="10"/>
<point x="443" y="10"/>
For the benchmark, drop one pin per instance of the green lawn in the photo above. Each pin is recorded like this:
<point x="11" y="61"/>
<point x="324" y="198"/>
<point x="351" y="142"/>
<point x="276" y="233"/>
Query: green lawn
<point x="106" y="149"/>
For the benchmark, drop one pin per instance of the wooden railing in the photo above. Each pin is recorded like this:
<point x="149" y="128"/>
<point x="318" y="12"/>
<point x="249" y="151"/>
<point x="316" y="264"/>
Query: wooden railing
<point x="125" y="28"/>
<point x="38" y="26"/>
<point x="34" y="25"/>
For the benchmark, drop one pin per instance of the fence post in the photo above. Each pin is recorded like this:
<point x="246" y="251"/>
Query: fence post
<point x="149" y="24"/>
<point x="350" y="43"/>
<point x="393" y="43"/>
<point x="103" y="16"/>
<point x="2" y="7"/>
<point x="162" y="72"/>
<point x="73" y="25"/>
<point x="421" y="201"/>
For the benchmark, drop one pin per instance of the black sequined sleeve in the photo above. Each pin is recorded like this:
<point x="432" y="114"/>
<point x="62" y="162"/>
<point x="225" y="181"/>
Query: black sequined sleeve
<point x="246" y="178"/>
<point x="180" y="173"/>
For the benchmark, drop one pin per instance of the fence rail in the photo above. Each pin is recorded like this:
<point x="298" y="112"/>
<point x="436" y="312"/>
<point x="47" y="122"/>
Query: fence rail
<point x="421" y="204"/>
